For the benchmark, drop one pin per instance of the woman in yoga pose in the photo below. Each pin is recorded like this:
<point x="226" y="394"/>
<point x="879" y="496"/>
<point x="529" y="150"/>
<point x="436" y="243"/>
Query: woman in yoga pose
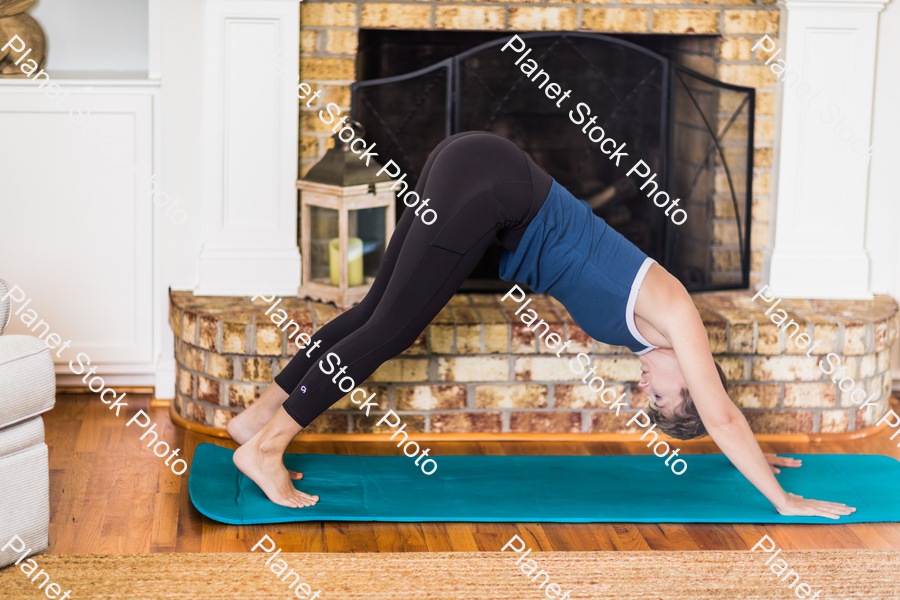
<point x="484" y="186"/>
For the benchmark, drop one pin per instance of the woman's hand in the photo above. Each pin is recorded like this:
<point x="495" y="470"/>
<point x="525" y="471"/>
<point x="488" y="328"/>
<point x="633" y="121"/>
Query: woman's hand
<point x="796" y="505"/>
<point x="781" y="461"/>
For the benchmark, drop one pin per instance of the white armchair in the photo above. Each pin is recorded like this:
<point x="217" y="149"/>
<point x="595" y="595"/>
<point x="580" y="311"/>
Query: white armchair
<point x="27" y="389"/>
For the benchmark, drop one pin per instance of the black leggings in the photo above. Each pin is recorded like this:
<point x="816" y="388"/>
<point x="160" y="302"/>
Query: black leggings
<point x="481" y="185"/>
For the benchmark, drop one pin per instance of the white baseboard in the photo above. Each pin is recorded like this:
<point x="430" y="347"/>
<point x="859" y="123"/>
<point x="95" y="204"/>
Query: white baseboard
<point x="165" y="379"/>
<point x="112" y="374"/>
<point x="132" y="380"/>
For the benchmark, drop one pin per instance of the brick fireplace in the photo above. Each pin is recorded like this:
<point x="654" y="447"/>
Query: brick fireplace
<point x="725" y="32"/>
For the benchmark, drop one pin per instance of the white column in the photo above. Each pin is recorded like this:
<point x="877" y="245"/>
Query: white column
<point x="822" y="180"/>
<point x="249" y="163"/>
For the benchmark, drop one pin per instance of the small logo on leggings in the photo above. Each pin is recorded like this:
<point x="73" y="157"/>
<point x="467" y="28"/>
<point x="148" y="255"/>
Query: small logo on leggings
<point x="303" y="388"/>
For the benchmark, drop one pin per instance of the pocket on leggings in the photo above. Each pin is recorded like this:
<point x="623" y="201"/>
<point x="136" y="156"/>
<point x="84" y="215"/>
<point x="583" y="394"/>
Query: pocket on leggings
<point x="438" y="246"/>
<point x="462" y="242"/>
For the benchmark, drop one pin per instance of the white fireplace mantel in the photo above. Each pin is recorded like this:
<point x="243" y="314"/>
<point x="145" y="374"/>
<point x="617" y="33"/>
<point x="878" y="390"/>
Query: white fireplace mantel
<point x="820" y="215"/>
<point x="249" y="139"/>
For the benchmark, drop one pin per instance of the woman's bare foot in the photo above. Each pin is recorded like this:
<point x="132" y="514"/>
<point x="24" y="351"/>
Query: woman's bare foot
<point x="245" y="425"/>
<point x="262" y="459"/>
<point x="267" y="470"/>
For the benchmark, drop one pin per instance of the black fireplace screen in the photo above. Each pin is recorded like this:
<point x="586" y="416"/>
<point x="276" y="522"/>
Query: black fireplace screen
<point x="695" y="132"/>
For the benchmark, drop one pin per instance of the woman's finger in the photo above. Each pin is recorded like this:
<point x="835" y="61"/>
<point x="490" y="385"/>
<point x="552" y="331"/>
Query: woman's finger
<point x="839" y="508"/>
<point x="833" y="508"/>
<point x="831" y="504"/>
<point x="827" y="515"/>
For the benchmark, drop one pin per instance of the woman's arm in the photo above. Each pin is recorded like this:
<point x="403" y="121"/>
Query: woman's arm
<point x="681" y="325"/>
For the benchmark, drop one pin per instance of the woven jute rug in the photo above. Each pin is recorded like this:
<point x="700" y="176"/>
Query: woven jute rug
<point x="836" y="574"/>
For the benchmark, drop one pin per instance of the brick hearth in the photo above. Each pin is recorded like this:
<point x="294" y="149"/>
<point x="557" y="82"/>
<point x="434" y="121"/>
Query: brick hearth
<point x="477" y="368"/>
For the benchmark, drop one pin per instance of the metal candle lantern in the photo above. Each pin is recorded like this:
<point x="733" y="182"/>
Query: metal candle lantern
<point x="347" y="218"/>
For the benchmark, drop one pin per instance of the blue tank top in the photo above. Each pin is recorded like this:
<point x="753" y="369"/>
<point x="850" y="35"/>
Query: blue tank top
<point x="572" y="254"/>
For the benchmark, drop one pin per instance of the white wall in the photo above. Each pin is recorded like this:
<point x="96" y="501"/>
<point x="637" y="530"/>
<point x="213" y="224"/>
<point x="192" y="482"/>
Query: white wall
<point x="94" y="35"/>
<point x="181" y="151"/>
<point x="179" y="154"/>
<point x="883" y="216"/>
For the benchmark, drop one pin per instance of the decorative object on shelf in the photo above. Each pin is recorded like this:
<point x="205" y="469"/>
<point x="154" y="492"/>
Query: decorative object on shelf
<point x="346" y="220"/>
<point x="14" y="21"/>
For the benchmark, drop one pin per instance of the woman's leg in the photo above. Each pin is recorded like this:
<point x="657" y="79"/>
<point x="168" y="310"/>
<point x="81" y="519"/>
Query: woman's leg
<point x="273" y="397"/>
<point x="245" y="425"/>
<point x="478" y="185"/>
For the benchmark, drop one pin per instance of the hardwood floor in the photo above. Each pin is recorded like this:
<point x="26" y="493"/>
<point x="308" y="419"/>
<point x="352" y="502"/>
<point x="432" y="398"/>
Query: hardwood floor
<point x="109" y="493"/>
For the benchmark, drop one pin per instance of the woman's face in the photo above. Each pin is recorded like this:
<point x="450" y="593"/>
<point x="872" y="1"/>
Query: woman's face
<point x="661" y="380"/>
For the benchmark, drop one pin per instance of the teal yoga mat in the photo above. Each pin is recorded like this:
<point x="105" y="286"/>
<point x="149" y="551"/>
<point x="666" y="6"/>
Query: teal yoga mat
<point x="565" y="489"/>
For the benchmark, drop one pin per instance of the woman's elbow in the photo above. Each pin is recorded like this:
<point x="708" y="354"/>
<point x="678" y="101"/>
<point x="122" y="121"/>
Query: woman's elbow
<point x="732" y="421"/>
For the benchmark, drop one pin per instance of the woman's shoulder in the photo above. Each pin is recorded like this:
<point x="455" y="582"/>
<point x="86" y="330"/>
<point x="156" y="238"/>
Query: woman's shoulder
<point x="663" y="303"/>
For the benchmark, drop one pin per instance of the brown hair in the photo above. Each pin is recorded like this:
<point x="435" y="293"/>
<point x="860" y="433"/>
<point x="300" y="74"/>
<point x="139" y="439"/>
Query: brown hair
<point x="685" y="423"/>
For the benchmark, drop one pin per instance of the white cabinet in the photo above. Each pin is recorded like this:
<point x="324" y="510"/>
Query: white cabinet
<point x="76" y="222"/>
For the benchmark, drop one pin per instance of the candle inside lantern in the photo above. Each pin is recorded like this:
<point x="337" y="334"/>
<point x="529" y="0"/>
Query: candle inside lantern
<point x="354" y="261"/>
